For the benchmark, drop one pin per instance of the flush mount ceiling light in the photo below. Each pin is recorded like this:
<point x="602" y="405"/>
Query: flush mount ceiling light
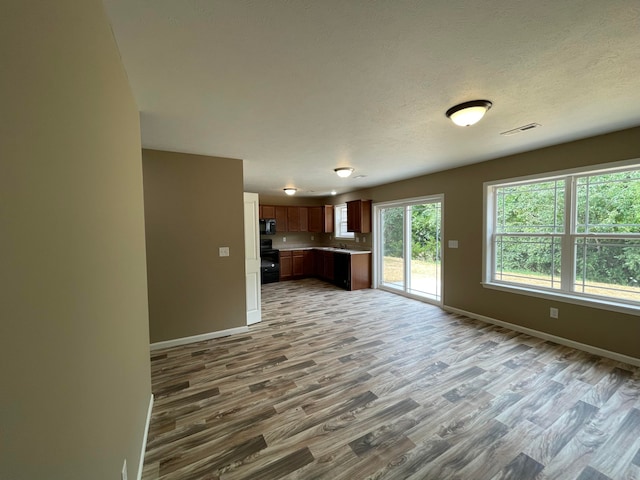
<point x="343" y="172"/>
<point x="290" y="191"/>
<point x="468" y="113"/>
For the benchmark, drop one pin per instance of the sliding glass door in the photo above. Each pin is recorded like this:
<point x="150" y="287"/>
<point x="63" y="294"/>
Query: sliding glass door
<point x="410" y="251"/>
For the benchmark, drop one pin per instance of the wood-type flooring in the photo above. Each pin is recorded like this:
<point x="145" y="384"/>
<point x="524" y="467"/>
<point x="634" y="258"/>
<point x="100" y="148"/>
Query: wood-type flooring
<point x="371" y="385"/>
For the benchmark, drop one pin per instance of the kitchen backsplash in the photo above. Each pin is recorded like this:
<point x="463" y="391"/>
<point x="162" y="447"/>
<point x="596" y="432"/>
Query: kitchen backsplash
<point x="306" y="239"/>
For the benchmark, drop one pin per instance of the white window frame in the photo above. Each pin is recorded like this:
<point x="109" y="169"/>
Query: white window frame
<point x="340" y="221"/>
<point x="377" y="246"/>
<point x="568" y="237"/>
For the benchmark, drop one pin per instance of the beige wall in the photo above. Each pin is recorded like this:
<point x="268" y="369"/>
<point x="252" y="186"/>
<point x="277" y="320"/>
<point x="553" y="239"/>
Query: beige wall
<point x="297" y="199"/>
<point x="193" y="205"/>
<point x="463" y="217"/>
<point x="74" y="340"/>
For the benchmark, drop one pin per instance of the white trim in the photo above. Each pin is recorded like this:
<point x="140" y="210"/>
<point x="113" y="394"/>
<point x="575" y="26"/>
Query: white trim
<point x="547" y="336"/>
<point x="144" y="438"/>
<point x="377" y="246"/>
<point x="592" y="301"/>
<point x="568" y="238"/>
<point x="176" y="342"/>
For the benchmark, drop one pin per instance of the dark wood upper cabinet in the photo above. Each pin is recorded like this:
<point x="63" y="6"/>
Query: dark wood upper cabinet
<point x="268" y="211"/>
<point x="359" y="216"/>
<point x="300" y="219"/>
<point x="328" y="218"/>
<point x="304" y="219"/>
<point x="282" y="224"/>
<point x="321" y="219"/>
<point x="315" y="219"/>
<point x="293" y="219"/>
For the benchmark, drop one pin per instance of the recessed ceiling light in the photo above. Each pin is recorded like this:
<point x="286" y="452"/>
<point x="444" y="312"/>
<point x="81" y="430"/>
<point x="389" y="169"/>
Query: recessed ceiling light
<point x="343" y="172"/>
<point x="468" y="113"/>
<point x="290" y="191"/>
<point x="333" y="192"/>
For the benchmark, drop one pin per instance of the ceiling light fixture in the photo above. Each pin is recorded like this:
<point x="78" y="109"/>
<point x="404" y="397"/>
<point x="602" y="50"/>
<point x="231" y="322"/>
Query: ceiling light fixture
<point x="333" y="192"/>
<point x="290" y="191"/>
<point x="343" y="172"/>
<point x="468" y="113"/>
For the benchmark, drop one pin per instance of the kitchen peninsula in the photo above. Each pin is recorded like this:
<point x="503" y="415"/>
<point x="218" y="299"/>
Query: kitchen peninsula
<point x="345" y="268"/>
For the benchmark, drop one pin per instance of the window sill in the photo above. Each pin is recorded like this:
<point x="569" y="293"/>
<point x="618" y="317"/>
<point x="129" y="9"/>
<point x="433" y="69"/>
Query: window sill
<point x="610" y="305"/>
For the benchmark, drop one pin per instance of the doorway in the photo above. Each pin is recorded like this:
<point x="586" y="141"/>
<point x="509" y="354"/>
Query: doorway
<point x="409" y="247"/>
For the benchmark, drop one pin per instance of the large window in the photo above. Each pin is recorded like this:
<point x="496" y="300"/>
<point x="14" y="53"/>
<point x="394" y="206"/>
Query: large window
<point x="574" y="234"/>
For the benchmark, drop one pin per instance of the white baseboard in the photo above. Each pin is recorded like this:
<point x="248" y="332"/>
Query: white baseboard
<point x="144" y="438"/>
<point x="546" y="336"/>
<point x="198" y="338"/>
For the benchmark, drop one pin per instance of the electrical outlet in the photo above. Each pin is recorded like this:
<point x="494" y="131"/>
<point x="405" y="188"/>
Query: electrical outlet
<point x="553" y="312"/>
<point x="357" y="239"/>
<point x="312" y="237"/>
<point x="124" y="470"/>
<point x="284" y="239"/>
<point x="364" y="239"/>
<point x="223" y="251"/>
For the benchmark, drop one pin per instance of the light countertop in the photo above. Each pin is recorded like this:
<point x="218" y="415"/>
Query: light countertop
<point x="327" y="249"/>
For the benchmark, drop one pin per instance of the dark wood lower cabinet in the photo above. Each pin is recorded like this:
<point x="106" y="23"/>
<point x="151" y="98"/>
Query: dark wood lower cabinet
<point x="298" y="263"/>
<point x="286" y="265"/>
<point x="309" y="261"/>
<point x="348" y="271"/>
<point x="360" y="271"/>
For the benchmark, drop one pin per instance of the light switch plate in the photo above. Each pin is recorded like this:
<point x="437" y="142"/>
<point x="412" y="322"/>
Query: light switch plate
<point x="224" y="251"/>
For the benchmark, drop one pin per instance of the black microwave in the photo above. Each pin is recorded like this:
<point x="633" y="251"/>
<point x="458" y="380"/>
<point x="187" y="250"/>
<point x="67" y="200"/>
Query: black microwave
<point x="267" y="226"/>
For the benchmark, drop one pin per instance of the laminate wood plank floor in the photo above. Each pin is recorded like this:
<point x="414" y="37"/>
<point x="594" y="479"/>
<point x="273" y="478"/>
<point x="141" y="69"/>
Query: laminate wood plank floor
<point x="371" y="385"/>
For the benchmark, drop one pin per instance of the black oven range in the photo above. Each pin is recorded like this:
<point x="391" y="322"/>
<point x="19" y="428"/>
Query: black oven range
<point x="269" y="262"/>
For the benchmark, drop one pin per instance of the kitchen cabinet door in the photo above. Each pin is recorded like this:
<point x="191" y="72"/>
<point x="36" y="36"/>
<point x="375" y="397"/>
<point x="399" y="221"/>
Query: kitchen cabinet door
<point x="286" y="266"/>
<point x="281" y="219"/>
<point x="359" y="216"/>
<point x="293" y="219"/>
<point x="315" y="219"/>
<point x="321" y="219"/>
<point x="267" y="211"/>
<point x="327" y="271"/>
<point x="298" y="263"/>
<point x="304" y="219"/>
<point x="309" y="263"/>
<point x="328" y="218"/>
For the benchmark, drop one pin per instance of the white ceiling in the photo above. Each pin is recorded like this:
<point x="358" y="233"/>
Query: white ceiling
<point x="297" y="88"/>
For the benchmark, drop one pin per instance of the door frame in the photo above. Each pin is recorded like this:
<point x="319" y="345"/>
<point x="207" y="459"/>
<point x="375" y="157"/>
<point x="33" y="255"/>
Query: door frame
<point x="377" y="243"/>
<point x="252" y="258"/>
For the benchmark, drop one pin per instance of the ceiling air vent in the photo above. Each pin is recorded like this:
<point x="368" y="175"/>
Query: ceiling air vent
<point x="523" y="128"/>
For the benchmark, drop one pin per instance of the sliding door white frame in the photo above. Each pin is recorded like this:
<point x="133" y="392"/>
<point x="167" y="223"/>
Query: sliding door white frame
<point x="378" y="247"/>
